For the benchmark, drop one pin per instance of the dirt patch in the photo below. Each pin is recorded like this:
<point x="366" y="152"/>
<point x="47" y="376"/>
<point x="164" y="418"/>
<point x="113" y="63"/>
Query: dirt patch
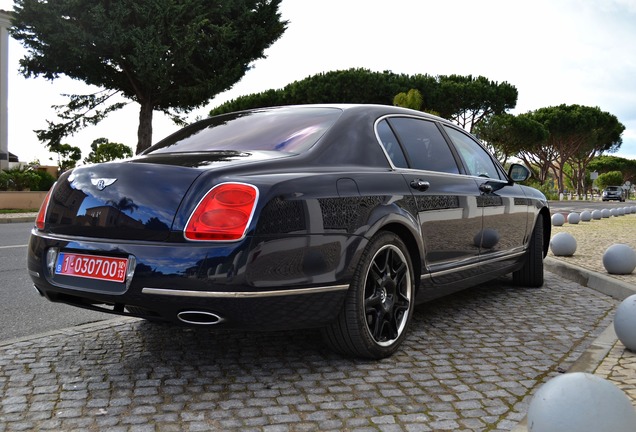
<point x="594" y="237"/>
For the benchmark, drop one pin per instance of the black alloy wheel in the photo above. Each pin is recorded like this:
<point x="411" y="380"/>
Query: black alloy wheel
<point x="379" y="303"/>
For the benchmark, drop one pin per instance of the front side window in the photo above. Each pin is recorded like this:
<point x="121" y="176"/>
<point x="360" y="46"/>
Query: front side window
<point x="425" y="146"/>
<point x="476" y="160"/>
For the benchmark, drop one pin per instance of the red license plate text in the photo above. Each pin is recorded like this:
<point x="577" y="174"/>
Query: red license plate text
<point x="92" y="267"/>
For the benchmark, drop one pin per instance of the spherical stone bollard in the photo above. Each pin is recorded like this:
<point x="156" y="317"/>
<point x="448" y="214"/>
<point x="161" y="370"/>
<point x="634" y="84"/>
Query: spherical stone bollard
<point x="619" y="259"/>
<point x="597" y="215"/>
<point x="614" y="212"/>
<point x="625" y="322"/>
<point x="586" y="216"/>
<point x="620" y="211"/>
<point x="574" y="218"/>
<point x="558" y="219"/>
<point x="563" y="244"/>
<point x="606" y="213"/>
<point x="580" y="402"/>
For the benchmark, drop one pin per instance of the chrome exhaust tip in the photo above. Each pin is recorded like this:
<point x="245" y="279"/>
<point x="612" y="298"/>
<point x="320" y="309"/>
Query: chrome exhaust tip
<point x="199" y="318"/>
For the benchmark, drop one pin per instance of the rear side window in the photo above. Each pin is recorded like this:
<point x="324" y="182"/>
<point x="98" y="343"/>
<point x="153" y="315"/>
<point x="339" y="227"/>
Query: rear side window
<point x="426" y="148"/>
<point x="288" y="130"/>
<point x="391" y="146"/>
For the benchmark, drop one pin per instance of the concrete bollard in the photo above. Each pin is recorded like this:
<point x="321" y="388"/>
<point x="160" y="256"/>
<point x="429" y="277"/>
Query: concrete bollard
<point x="580" y="402"/>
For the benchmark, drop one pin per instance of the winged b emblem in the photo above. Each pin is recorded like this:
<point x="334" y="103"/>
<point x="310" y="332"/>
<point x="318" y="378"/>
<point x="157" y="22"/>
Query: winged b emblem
<point x="102" y="183"/>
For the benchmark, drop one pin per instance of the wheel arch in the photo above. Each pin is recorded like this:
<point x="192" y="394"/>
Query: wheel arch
<point x="407" y="236"/>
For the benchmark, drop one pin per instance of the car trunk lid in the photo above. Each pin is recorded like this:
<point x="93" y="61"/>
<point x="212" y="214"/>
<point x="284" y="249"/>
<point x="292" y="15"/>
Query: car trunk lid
<point x="132" y="200"/>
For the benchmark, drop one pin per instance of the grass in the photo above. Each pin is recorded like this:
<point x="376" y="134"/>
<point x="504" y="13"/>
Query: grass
<point x="11" y="211"/>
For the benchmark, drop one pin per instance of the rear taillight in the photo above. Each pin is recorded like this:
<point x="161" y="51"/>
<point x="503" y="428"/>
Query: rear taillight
<point x="39" y="221"/>
<point x="223" y="214"/>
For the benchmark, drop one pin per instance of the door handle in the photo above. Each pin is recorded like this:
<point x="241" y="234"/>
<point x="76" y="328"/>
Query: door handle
<point x="420" y="185"/>
<point x="485" y="188"/>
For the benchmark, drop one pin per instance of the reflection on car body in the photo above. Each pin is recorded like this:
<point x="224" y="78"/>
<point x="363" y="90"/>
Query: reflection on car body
<point x="341" y="217"/>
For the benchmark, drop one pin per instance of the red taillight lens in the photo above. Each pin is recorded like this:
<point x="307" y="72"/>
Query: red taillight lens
<point x="39" y="221"/>
<point x="223" y="214"/>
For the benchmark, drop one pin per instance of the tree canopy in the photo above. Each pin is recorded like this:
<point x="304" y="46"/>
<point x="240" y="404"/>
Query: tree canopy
<point x="411" y="99"/>
<point x="577" y="134"/>
<point x="103" y="150"/>
<point x="606" y="163"/>
<point x="562" y="139"/>
<point x="465" y="100"/>
<point x="166" y="55"/>
<point x="611" y="178"/>
<point x="508" y="135"/>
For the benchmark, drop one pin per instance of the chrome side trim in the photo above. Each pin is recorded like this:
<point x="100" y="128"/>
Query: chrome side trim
<point x="477" y="264"/>
<point x="242" y="294"/>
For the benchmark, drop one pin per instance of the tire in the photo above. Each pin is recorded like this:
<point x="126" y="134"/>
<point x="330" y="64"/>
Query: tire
<point x="379" y="303"/>
<point x="531" y="274"/>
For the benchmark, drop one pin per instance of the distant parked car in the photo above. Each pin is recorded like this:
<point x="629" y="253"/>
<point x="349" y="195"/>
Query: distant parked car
<point x="613" y="193"/>
<point x="341" y="217"/>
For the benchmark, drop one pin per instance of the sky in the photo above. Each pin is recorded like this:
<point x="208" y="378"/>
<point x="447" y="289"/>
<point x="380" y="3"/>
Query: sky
<point x="553" y="51"/>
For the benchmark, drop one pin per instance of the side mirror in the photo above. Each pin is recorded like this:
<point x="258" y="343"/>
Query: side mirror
<point x="518" y="173"/>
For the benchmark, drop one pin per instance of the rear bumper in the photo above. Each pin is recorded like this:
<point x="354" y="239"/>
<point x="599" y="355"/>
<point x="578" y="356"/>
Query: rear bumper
<point x="257" y="283"/>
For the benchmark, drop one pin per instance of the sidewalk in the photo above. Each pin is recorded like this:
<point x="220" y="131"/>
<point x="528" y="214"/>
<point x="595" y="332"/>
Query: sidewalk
<point x="17" y="217"/>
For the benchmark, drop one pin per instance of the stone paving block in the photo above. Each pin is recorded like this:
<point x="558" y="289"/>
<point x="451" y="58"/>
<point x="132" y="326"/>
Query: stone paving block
<point x="471" y="362"/>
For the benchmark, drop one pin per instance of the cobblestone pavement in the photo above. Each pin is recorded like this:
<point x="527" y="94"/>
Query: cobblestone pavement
<point x="471" y="363"/>
<point x="619" y="367"/>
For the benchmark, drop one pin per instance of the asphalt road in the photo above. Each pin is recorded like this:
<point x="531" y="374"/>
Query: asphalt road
<point x="22" y="311"/>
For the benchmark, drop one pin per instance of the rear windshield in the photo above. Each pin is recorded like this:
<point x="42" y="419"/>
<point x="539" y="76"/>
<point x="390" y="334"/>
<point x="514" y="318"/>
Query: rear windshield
<point x="285" y="129"/>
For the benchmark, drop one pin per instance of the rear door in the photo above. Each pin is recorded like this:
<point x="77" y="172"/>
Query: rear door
<point x="446" y="201"/>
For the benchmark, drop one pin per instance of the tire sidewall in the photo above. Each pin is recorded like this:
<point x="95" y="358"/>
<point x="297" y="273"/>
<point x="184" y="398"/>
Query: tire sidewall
<point x="358" y="290"/>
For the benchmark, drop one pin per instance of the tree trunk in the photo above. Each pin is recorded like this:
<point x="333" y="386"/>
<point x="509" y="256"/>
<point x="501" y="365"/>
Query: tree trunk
<point x="144" y="132"/>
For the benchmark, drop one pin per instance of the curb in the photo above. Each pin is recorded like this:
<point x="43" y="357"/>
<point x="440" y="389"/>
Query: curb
<point x="72" y="331"/>
<point x="607" y="285"/>
<point x="594" y="355"/>
<point x="18" y="219"/>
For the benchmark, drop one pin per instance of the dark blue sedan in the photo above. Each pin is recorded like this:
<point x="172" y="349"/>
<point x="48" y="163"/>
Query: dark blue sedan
<point x="341" y="217"/>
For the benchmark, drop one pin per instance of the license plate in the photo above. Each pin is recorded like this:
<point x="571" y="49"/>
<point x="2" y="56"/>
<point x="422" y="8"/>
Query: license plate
<point x="91" y="267"/>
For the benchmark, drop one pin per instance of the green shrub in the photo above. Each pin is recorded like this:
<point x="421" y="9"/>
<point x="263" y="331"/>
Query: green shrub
<point x="18" y="179"/>
<point x="547" y="189"/>
<point x="45" y="181"/>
